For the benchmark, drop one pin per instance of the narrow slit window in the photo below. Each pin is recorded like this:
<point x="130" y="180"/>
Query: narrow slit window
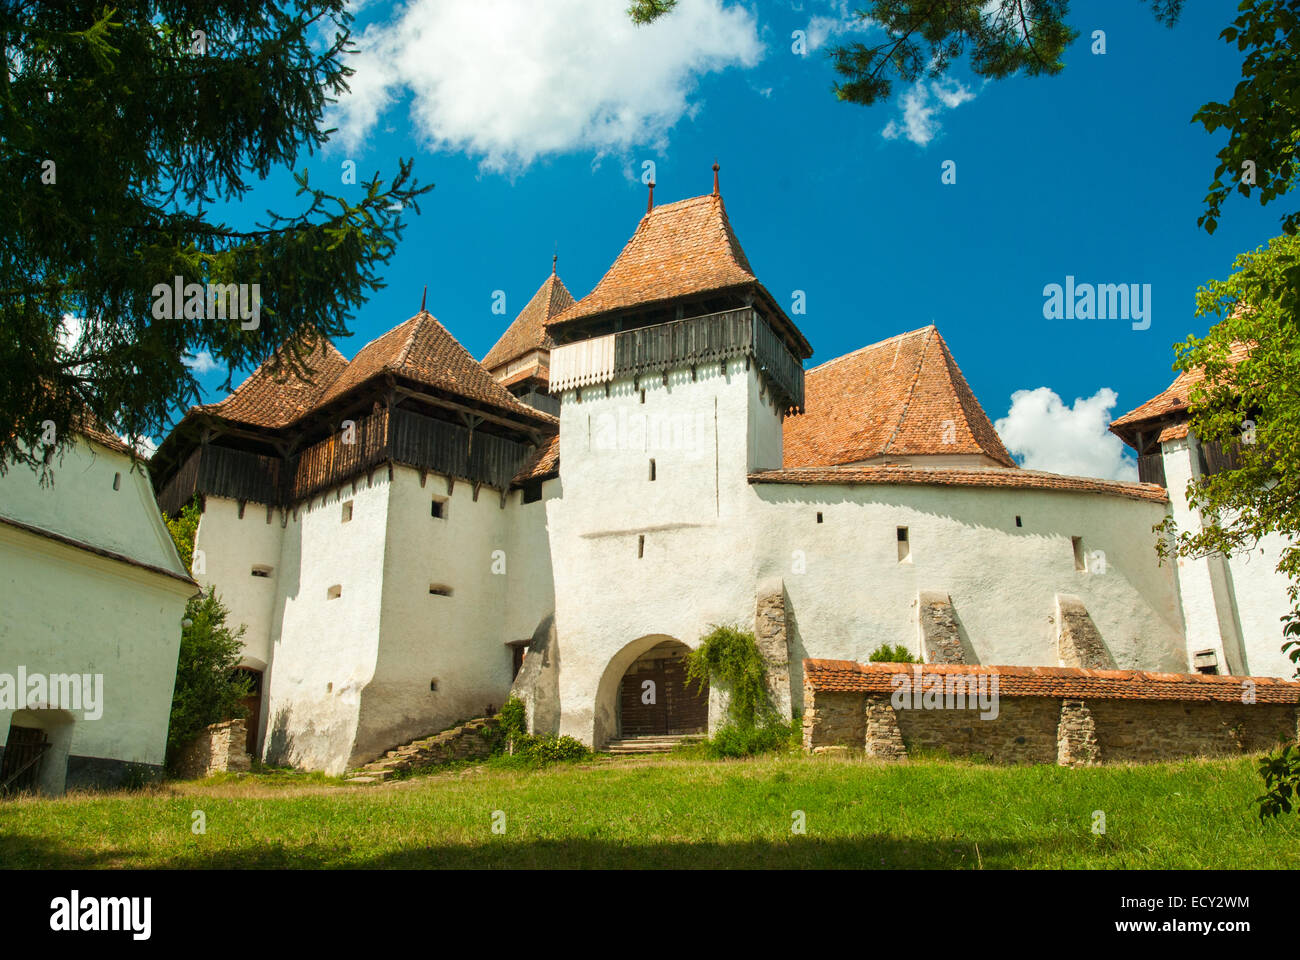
<point x="347" y="511"/>
<point x="117" y="481"/>
<point x="904" y="546"/>
<point x="819" y="516"/>
<point x="640" y="546"/>
<point x="1080" y="562"/>
<point x="1018" y="523"/>
<point x="439" y="590"/>
<point x="261" y="570"/>
<point x="652" y="468"/>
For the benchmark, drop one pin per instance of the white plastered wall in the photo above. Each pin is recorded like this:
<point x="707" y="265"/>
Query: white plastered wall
<point x="710" y="537"/>
<point x="68" y="610"/>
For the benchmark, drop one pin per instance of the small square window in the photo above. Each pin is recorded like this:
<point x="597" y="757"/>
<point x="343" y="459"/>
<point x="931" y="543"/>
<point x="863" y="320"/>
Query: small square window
<point x="902" y="534"/>
<point x="261" y="570"/>
<point x="438" y="509"/>
<point x="819" y="516"/>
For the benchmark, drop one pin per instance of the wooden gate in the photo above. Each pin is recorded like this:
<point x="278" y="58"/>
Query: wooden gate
<point x="22" y="759"/>
<point x="655" y="700"/>
<point x="253" y="703"/>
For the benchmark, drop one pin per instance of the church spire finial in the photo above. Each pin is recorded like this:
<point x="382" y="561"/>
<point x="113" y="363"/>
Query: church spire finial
<point x="424" y="296"/>
<point x="715" y="178"/>
<point x="650" y="202"/>
<point x="555" y="259"/>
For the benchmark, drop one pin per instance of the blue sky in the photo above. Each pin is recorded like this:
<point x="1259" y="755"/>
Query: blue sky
<point x="534" y="122"/>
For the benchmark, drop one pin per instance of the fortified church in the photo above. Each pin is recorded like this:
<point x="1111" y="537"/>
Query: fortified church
<point x="415" y="533"/>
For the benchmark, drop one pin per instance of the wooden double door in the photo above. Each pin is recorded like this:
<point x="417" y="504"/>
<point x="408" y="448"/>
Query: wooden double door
<point x="655" y="699"/>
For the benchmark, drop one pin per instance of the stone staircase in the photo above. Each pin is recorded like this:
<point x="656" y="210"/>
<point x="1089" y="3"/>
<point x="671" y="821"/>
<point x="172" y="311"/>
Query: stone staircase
<point x="638" y="746"/>
<point x="470" y="740"/>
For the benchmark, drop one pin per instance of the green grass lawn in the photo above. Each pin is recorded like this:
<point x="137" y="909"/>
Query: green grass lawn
<point x="675" y="812"/>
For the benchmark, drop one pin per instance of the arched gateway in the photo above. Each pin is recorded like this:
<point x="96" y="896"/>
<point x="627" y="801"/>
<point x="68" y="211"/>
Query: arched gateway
<point x="623" y="706"/>
<point x="654" y="698"/>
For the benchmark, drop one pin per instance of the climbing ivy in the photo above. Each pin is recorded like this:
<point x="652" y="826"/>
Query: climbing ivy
<point x="729" y="657"/>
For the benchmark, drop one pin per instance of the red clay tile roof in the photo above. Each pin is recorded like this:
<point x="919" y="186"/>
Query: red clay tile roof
<point x="422" y="350"/>
<point x="532" y="370"/>
<point x="528" y="332"/>
<point x="849" y="677"/>
<point x="1172" y="402"/>
<point x="90" y="426"/>
<point x="963" y="477"/>
<point x="902" y="396"/>
<point x="544" y="463"/>
<point x="678" y="249"/>
<point x="263" y="400"/>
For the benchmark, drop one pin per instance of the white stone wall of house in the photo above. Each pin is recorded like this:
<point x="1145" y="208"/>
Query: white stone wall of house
<point x="643" y="560"/>
<point x="1204" y="588"/>
<point x="1260" y="595"/>
<point x="1231" y="605"/>
<point x="70" y="611"/>
<point x="325" y="634"/>
<point x="241" y="557"/>
<point x="492" y="569"/>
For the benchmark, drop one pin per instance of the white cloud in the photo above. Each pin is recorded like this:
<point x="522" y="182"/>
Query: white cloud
<point x="1071" y="440"/>
<point x="146" y="447"/>
<point x="70" y="330"/>
<point x="921" y="106"/>
<point x="842" y="20"/>
<point x="201" y="363"/>
<point x="510" y="81"/>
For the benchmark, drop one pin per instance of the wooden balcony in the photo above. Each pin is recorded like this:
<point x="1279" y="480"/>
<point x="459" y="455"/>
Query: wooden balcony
<point x="682" y="343"/>
<point x="1151" y="468"/>
<point x="404" y="437"/>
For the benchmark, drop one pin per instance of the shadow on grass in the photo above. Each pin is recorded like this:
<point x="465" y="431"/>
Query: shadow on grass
<point x="877" y="852"/>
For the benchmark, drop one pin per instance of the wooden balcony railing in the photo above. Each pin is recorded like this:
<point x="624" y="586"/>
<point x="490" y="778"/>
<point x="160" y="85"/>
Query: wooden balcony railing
<point x="404" y="437"/>
<point x="681" y="343"/>
<point x="1151" y="468"/>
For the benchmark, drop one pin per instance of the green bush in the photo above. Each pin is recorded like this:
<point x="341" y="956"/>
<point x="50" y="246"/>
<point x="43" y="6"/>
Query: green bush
<point x="887" y="654"/>
<point x="552" y="749"/>
<point x="207" y="689"/>
<point x="513" y="746"/>
<point x="734" y="740"/>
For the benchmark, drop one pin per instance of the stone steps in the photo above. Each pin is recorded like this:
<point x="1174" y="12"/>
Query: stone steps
<point x="468" y="741"/>
<point x="637" y="746"/>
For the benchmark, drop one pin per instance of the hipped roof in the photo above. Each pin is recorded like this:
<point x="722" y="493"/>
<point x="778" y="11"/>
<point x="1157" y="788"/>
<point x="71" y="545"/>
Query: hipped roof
<point x="1171" y="405"/>
<point x="681" y="249"/>
<point x="528" y="331"/>
<point x="904" y="396"/>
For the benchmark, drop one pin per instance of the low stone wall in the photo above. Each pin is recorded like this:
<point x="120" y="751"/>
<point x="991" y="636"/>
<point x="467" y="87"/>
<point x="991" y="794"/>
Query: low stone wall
<point x="1068" y="716"/>
<point x="220" y="748"/>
